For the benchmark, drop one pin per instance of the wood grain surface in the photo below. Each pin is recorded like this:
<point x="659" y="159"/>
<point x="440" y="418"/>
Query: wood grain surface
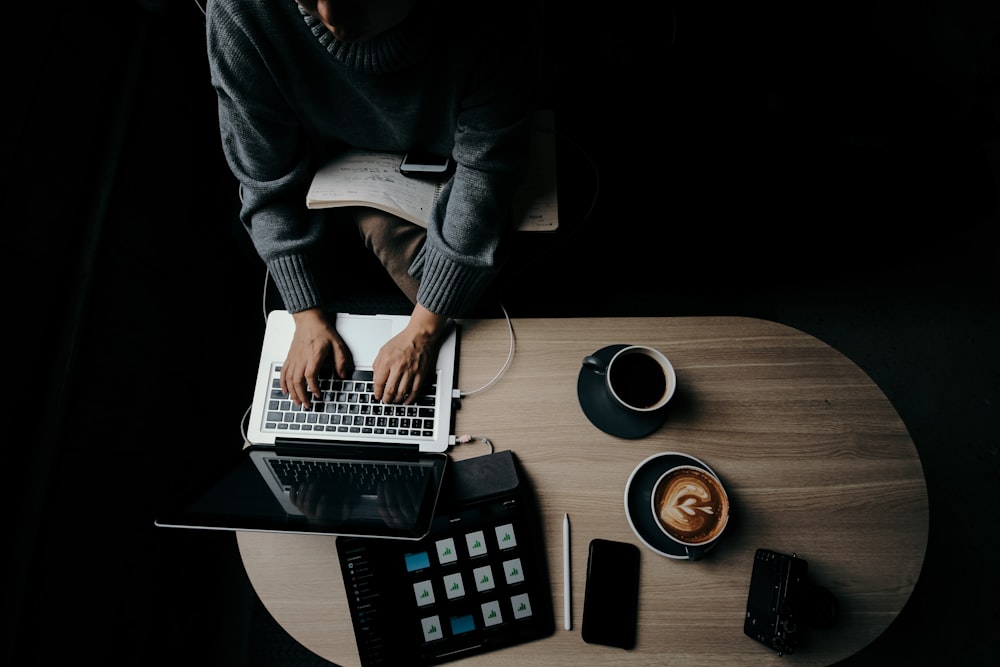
<point x="814" y="457"/>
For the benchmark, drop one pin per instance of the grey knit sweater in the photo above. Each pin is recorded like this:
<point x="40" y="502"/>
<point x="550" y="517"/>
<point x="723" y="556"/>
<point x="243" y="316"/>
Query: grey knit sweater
<point x="447" y="79"/>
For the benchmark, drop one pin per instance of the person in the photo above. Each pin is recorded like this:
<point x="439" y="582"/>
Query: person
<point x="298" y="80"/>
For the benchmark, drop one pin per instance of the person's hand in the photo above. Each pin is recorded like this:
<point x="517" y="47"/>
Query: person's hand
<point x="315" y="341"/>
<point x="407" y="360"/>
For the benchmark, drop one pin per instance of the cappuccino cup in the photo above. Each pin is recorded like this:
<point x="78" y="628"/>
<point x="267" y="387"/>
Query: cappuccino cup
<point x="691" y="507"/>
<point x="638" y="378"/>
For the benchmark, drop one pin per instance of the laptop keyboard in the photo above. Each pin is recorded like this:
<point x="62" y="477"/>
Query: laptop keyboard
<point x="365" y="478"/>
<point x="349" y="406"/>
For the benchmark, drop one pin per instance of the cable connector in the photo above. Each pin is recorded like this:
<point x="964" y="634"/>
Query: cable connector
<point x="467" y="438"/>
<point x="456" y="393"/>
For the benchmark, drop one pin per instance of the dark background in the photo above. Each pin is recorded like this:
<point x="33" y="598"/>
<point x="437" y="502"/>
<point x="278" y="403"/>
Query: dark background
<point x="834" y="168"/>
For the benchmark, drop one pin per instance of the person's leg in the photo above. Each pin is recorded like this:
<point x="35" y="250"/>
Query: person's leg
<point x="395" y="242"/>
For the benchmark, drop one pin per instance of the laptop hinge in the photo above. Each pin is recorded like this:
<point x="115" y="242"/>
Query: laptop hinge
<point x="383" y="449"/>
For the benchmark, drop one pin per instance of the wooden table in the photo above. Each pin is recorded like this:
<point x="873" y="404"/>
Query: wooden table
<point x="815" y="458"/>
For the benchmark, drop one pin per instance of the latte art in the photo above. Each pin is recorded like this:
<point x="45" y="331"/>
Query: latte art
<point x="692" y="507"/>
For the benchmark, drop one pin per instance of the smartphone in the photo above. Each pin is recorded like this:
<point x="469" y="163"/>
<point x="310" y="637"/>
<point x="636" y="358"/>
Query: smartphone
<point x="611" y="596"/>
<point x="422" y="163"/>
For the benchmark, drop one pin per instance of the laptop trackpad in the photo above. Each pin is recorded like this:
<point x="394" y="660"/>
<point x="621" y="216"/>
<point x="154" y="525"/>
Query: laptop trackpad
<point x="364" y="337"/>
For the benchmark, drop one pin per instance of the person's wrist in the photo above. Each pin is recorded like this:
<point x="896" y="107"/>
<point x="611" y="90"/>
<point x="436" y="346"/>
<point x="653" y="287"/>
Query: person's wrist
<point x="307" y="315"/>
<point x="426" y="323"/>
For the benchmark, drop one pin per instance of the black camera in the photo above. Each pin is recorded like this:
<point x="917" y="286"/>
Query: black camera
<point x="782" y="601"/>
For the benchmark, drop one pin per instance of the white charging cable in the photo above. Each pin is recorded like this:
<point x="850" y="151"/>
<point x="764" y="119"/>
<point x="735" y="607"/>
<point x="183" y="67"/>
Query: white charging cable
<point x="506" y="364"/>
<point x="466" y="439"/>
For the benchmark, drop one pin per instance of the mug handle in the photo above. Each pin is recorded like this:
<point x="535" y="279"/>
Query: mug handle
<point x="694" y="553"/>
<point x="595" y="364"/>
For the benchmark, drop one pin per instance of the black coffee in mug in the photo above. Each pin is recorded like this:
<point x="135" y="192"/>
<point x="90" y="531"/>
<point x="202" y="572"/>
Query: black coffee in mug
<point x="638" y="379"/>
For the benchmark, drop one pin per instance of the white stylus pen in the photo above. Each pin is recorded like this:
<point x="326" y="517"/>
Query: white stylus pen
<point x="567" y="584"/>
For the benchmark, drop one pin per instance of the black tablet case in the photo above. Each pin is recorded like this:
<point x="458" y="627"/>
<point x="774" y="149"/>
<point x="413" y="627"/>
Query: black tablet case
<point x="481" y="492"/>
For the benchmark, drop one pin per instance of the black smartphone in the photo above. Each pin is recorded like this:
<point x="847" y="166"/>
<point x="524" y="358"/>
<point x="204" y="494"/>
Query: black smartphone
<point x="611" y="596"/>
<point x="424" y="164"/>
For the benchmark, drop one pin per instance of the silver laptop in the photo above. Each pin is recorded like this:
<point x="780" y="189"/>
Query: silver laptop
<point x="346" y="410"/>
<point x="350" y="465"/>
<point x="363" y="491"/>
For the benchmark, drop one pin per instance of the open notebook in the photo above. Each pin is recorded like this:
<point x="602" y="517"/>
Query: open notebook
<point x="348" y="466"/>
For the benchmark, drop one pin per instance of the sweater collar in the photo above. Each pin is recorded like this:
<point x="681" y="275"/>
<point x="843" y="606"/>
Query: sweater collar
<point x="396" y="49"/>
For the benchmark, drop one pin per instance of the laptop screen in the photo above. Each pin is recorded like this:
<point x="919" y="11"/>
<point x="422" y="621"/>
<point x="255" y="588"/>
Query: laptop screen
<point x="321" y="489"/>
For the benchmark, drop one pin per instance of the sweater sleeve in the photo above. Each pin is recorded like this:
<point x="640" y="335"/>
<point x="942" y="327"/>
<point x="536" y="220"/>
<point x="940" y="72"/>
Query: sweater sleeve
<point x="471" y="227"/>
<point x="265" y="148"/>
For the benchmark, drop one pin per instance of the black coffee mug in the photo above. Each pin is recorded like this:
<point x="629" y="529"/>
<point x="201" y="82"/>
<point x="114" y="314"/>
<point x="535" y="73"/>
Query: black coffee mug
<point x="638" y="377"/>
